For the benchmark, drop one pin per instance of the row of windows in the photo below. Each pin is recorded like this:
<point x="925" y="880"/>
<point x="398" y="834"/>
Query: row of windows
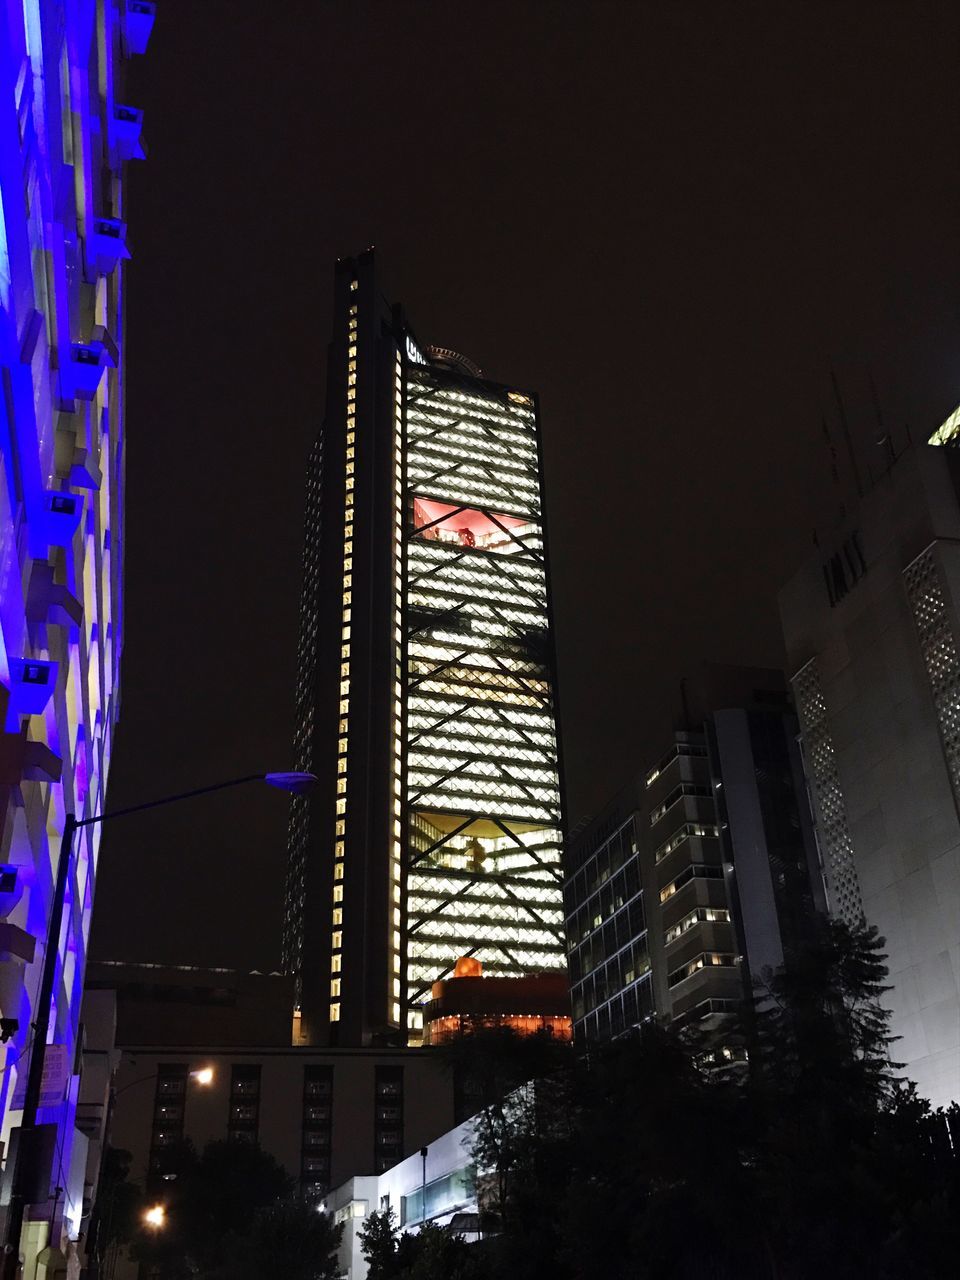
<point x="625" y="1010"/>
<point x="339" y="851"/>
<point x="702" y="915"/>
<point x="684" y="832"/>
<point x="696" y="871"/>
<point x="608" y="900"/>
<point x="607" y="860"/>
<point x="627" y="924"/>
<point x="617" y="974"/>
<point x="706" y="959"/>
<point x="676" y="751"/>
<point x="681" y="790"/>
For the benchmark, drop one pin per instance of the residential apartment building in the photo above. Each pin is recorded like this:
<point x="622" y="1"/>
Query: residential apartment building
<point x="426" y="697"/>
<point x="66" y="131"/>
<point x="702" y="873"/>
<point x="872" y="632"/>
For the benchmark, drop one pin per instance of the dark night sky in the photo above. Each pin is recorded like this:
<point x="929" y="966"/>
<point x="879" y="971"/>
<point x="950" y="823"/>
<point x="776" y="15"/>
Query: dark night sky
<point x="671" y="218"/>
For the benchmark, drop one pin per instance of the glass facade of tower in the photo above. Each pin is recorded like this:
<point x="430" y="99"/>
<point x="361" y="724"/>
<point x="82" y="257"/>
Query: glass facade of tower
<point x="482" y="788"/>
<point x="426" y="701"/>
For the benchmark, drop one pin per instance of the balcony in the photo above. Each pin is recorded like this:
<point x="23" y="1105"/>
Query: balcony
<point x="138" y="23"/>
<point x="31" y="686"/>
<point x="127" y="130"/>
<point x="106" y="245"/>
<point x="63" y="512"/>
<point x="87" y="363"/>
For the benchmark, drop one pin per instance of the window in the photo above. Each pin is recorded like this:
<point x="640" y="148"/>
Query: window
<point x="243" y="1117"/>
<point x="317" y="1132"/>
<point x="387" y="1117"/>
<point x="167" y="1132"/>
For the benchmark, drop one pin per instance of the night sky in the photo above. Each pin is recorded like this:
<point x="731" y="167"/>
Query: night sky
<point x="670" y="218"/>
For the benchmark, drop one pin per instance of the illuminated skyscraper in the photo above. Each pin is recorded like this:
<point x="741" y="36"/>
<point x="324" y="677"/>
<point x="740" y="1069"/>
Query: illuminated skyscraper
<point x="426" y="697"/>
<point x="66" y="129"/>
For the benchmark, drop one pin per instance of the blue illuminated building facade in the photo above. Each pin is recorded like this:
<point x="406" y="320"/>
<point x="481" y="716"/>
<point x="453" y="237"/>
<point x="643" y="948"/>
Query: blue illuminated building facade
<point x="66" y="129"/>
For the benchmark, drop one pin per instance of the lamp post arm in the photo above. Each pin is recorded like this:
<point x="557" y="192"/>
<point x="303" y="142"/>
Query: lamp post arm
<point x="155" y="804"/>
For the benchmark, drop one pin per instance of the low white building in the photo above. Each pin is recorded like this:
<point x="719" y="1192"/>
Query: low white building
<point x="440" y="1179"/>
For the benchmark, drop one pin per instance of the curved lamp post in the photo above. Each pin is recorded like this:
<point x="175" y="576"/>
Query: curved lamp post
<point x="296" y="783"/>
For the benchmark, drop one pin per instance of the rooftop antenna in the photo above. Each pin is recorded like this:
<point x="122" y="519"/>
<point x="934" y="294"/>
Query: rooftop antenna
<point x="883" y="439"/>
<point x="846" y="434"/>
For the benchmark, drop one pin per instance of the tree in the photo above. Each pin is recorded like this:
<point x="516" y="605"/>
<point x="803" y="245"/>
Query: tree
<point x="218" y="1196"/>
<point x="117" y="1212"/>
<point x="289" y="1238"/>
<point x="378" y="1242"/>
<point x="648" y="1157"/>
<point x="432" y="1253"/>
<point x="212" y="1201"/>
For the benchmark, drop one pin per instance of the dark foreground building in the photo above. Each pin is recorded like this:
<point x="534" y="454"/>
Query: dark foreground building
<point x="426" y="695"/>
<point x="701" y="873"/>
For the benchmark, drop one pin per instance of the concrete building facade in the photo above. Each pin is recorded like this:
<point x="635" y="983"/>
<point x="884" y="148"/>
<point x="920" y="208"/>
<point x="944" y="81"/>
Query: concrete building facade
<point x="66" y="131"/>
<point x="872" y="632"/>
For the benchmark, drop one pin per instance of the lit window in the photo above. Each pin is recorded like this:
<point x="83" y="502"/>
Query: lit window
<point x="341" y="785"/>
<point x="335" y="963"/>
<point x="337" y="916"/>
<point x="338" y="871"/>
<point x="341" y="806"/>
<point x="337" y="940"/>
<point x="338" y="893"/>
<point x="334" y="986"/>
<point x="341" y="828"/>
<point x="334" y="1013"/>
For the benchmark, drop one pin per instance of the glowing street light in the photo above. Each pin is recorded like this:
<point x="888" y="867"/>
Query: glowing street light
<point x="155" y="1217"/>
<point x="203" y="1076"/>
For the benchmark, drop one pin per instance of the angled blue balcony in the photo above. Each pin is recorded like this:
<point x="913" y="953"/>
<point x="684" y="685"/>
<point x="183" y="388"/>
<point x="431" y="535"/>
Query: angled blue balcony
<point x="106" y="245"/>
<point x="126" y="129"/>
<point x="32" y="683"/>
<point x="63" y="512"/>
<point x="138" y="23"/>
<point x="85" y="369"/>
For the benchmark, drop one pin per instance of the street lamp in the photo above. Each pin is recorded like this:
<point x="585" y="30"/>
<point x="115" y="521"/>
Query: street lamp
<point x="155" y="1217"/>
<point x="295" y="783"/>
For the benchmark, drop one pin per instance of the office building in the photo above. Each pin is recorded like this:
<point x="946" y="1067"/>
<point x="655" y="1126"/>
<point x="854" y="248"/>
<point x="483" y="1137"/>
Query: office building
<point x="872" y="633"/>
<point x="66" y="130"/>
<point x="702" y="873"/>
<point x="426" y="697"/>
